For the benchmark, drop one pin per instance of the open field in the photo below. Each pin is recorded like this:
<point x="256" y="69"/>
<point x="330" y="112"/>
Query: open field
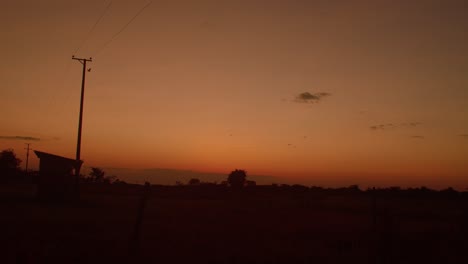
<point x="215" y="225"/>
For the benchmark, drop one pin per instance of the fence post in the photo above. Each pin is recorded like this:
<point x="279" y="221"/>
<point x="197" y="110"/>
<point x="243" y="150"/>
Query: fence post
<point x="135" y="239"/>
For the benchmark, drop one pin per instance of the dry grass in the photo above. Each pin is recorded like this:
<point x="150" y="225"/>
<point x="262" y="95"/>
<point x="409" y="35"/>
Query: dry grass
<point x="230" y="228"/>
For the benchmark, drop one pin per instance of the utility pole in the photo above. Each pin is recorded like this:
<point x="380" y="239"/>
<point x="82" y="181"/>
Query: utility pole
<point x="80" y="121"/>
<point x="27" y="155"/>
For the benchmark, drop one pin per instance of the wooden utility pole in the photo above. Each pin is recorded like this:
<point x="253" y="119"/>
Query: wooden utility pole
<point x="80" y="121"/>
<point x="27" y="156"/>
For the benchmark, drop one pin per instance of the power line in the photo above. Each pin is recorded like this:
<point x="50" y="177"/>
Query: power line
<point x="92" y="29"/>
<point x="122" y="29"/>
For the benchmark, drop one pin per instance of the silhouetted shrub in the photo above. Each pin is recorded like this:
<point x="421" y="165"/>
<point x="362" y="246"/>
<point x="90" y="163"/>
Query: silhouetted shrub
<point x="194" y="181"/>
<point x="299" y="188"/>
<point x="250" y="183"/>
<point x="9" y="164"/>
<point x="224" y="183"/>
<point x="449" y="192"/>
<point x="98" y="175"/>
<point x="119" y="182"/>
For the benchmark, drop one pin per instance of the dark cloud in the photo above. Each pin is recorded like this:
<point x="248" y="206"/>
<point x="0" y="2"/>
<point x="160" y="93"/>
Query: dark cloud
<point x="464" y="135"/>
<point x="20" y="138"/>
<point x="391" y="125"/>
<point x="418" y="137"/>
<point x="307" y="97"/>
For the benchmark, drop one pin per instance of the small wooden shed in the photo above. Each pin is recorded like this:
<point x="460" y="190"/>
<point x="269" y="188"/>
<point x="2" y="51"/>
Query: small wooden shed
<point x="57" y="180"/>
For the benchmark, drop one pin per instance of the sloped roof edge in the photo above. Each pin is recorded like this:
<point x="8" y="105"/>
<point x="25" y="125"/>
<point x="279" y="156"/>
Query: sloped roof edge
<point x="41" y="154"/>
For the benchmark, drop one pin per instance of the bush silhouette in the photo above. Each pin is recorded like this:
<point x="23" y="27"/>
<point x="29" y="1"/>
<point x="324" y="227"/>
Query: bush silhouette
<point x="194" y="181"/>
<point x="9" y="163"/>
<point x="250" y="183"/>
<point x="98" y="175"/>
<point x="237" y="178"/>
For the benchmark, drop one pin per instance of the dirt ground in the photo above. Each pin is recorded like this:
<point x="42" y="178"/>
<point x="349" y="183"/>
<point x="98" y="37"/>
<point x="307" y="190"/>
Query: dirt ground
<point x="200" y="225"/>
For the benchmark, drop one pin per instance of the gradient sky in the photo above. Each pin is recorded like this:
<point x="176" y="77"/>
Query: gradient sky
<point x="326" y="92"/>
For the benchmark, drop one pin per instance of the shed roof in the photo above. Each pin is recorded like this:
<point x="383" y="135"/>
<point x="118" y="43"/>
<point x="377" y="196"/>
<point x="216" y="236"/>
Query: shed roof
<point x="45" y="155"/>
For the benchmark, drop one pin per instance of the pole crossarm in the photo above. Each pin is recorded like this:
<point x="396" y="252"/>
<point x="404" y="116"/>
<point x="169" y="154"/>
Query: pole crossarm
<point x="81" y="60"/>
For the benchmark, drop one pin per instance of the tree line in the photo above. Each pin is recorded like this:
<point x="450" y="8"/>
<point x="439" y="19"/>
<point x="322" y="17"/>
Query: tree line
<point x="10" y="171"/>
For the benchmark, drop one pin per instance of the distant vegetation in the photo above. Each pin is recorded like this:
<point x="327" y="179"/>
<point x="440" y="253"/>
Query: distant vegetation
<point x="10" y="171"/>
<point x="98" y="175"/>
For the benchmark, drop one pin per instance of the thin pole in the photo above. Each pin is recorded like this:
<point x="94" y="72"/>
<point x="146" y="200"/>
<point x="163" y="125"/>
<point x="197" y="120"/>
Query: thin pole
<point x="27" y="156"/>
<point x="80" y="122"/>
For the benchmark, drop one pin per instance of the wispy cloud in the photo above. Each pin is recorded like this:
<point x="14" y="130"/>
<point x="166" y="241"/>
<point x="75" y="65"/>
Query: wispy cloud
<point x="27" y="138"/>
<point x="418" y="137"/>
<point x="410" y="124"/>
<point x="464" y="135"/>
<point x="393" y="125"/>
<point x="310" y="98"/>
<point x="382" y="126"/>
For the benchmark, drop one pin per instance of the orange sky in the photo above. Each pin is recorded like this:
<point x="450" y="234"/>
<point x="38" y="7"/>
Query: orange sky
<point x="216" y="85"/>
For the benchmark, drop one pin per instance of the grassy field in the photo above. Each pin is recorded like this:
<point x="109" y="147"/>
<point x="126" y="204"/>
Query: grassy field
<point x="216" y="225"/>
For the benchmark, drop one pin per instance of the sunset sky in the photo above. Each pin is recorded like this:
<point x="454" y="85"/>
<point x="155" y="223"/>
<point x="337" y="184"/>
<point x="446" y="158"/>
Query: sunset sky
<point x="326" y="92"/>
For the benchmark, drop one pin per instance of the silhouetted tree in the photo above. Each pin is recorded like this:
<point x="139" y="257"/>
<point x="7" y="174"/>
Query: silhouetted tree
<point x="9" y="163"/>
<point x="236" y="178"/>
<point x="194" y="181"/>
<point x="97" y="175"/>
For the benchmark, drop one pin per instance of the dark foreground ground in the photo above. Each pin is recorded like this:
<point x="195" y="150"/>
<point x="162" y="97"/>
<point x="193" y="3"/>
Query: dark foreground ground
<point x="216" y="225"/>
